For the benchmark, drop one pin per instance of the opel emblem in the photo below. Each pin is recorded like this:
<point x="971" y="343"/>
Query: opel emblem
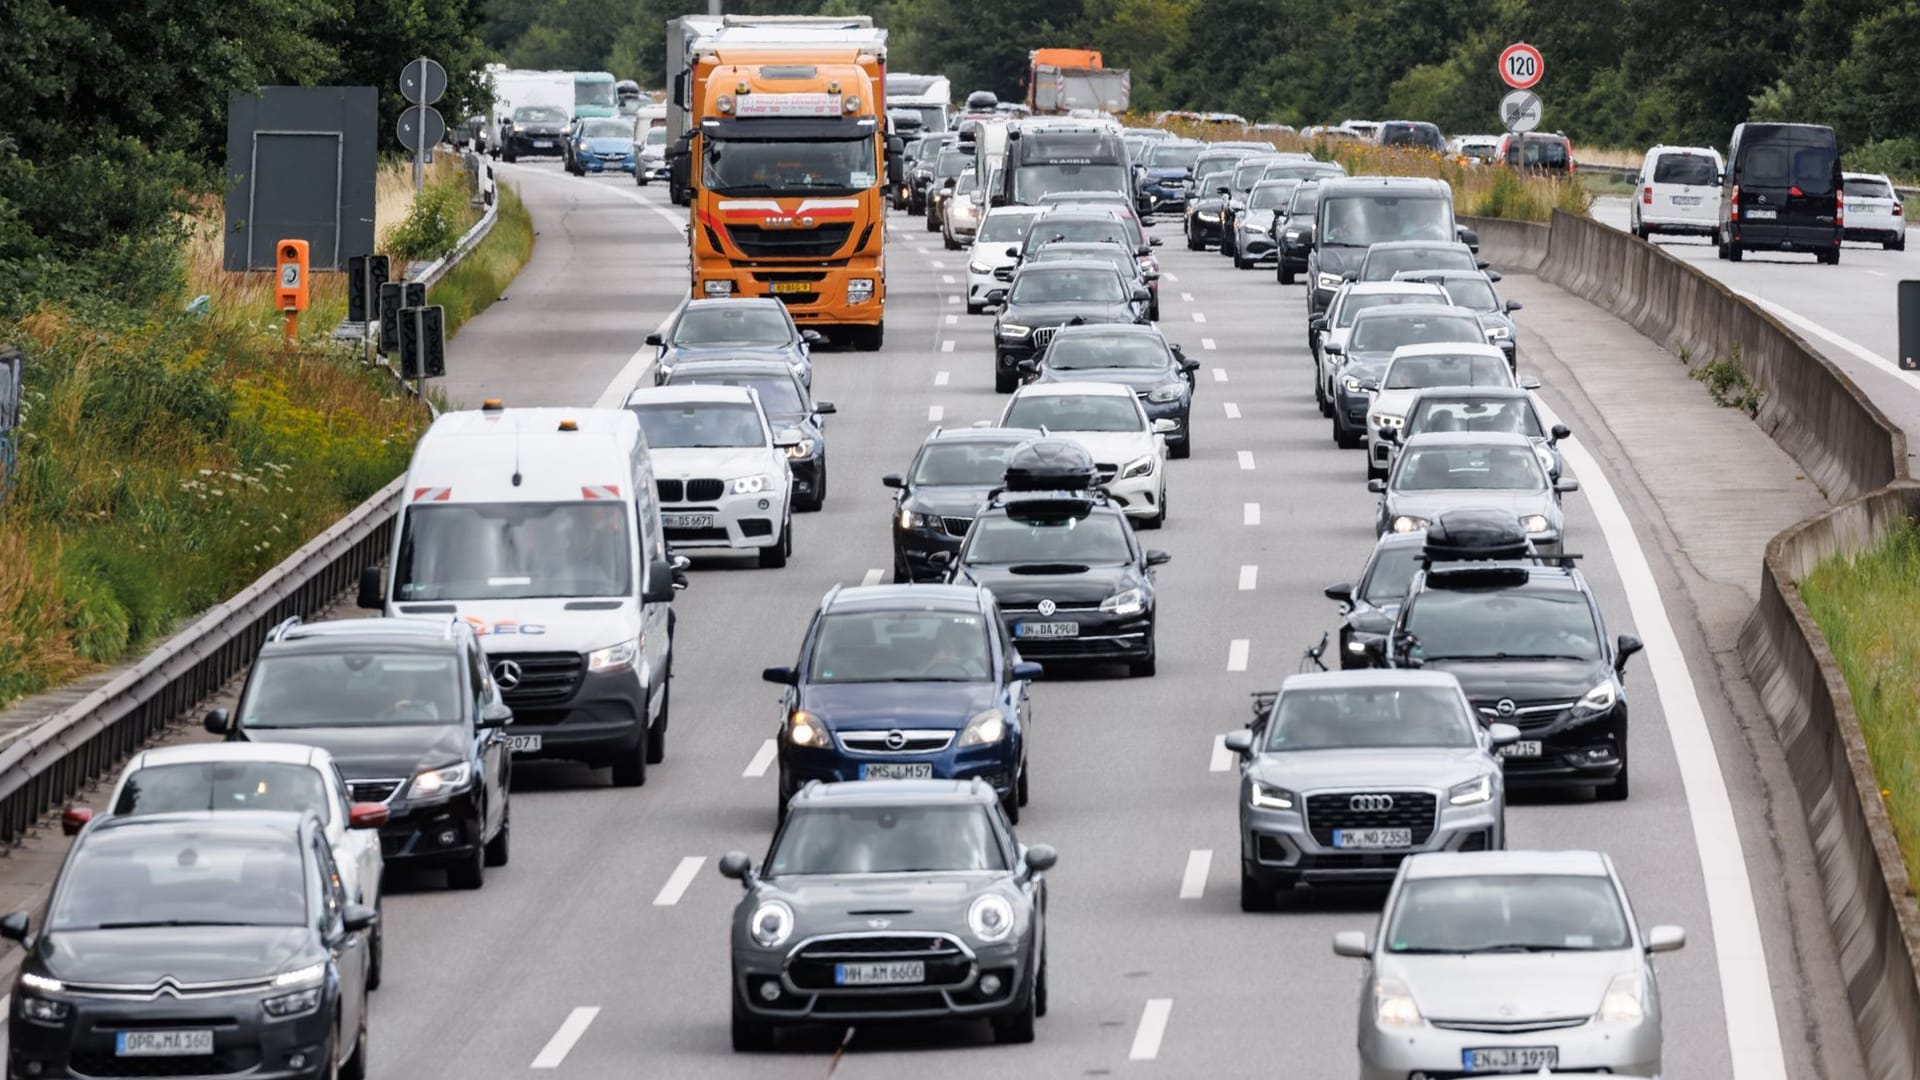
<point x="1048" y="607"/>
<point x="879" y="924"/>
<point x="1505" y="706"/>
<point x="1370" y="804"/>
<point x="896" y="740"/>
<point x="507" y="674"/>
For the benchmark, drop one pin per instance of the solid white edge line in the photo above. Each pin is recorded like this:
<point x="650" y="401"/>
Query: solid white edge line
<point x="1222" y="759"/>
<point x="872" y="576"/>
<point x="1250" y="513"/>
<point x="1746" y="994"/>
<point x="1246" y="460"/>
<point x="1237" y="654"/>
<point x="762" y="761"/>
<point x="1152" y="1029"/>
<point x="1912" y="379"/>
<point x="1233" y="410"/>
<point x="677" y="882"/>
<point x="1193" y="880"/>
<point x="1249" y="578"/>
<point x="935" y="413"/>
<point x="557" y="1048"/>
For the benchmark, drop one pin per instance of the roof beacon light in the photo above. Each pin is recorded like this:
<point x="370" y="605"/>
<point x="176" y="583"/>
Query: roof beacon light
<point x="568" y="425"/>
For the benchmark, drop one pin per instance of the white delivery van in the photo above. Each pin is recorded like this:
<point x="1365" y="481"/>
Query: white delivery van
<point x="541" y="529"/>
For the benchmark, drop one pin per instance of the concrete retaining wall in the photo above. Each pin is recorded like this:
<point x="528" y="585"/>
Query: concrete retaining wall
<point x="1510" y="245"/>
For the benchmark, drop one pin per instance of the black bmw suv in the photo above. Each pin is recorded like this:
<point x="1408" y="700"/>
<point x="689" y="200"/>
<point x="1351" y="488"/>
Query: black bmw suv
<point x="414" y="720"/>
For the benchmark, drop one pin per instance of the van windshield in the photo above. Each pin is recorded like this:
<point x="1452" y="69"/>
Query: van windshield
<point x="1365" y="220"/>
<point x="513" y="551"/>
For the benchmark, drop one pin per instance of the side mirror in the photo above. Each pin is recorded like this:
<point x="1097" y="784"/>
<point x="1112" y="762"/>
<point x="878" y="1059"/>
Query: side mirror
<point x="1351" y="943"/>
<point x="995" y="296"/>
<point x="75" y="818"/>
<point x="1529" y="382"/>
<point x="1026" y="671"/>
<point x="1332" y="348"/>
<point x="1566" y="484"/>
<point x="654" y="339"/>
<point x="370" y="589"/>
<point x="1514" y="305"/>
<point x="1351" y="275"/>
<point x="366" y="815"/>
<point x="1151" y="275"/>
<point x="1164" y="426"/>
<point x="1222" y="191"/>
<point x="736" y="865"/>
<point x="812" y="337"/>
<point x="784" y="676"/>
<point x="1370" y="385"/>
<point x="950" y="184"/>
<point x="1378" y="487"/>
<point x="1041" y="858"/>
<point x="356" y="917"/>
<point x="1341" y="593"/>
<point x="787" y="437"/>
<point x="495" y="714"/>
<point x="660" y="574"/>
<point x="1317" y="323"/>
<point x="1029" y="365"/>
<point x="1502" y="734"/>
<point x="1481" y="264"/>
<point x="1143" y="251"/>
<point x="824" y="408"/>
<point x="1240" y="742"/>
<point x="1156" y="557"/>
<point x="1142" y="293"/>
<point x="1012" y="253"/>
<point x="1155" y="242"/>
<point x="894" y="480"/>
<point x="1189" y="366"/>
<point x="941" y="559"/>
<point x="218" y="722"/>
<point x="1624" y="648"/>
<point x="1659" y="939"/>
<point x="14" y="926"/>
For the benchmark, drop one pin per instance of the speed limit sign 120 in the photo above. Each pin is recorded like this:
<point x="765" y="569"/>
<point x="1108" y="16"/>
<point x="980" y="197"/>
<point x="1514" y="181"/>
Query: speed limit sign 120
<point x="1521" y="66"/>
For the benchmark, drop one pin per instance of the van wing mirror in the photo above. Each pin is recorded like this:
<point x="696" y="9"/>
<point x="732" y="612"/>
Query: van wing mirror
<point x="370" y="589"/>
<point x="659" y="588"/>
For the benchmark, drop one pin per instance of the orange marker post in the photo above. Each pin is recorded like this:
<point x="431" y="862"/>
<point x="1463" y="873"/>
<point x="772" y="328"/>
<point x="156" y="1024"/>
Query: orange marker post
<point x="291" y="288"/>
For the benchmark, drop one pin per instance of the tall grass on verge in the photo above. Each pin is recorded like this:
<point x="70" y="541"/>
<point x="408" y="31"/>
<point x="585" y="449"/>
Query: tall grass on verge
<point x="479" y="279"/>
<point x="1868" y="607"/>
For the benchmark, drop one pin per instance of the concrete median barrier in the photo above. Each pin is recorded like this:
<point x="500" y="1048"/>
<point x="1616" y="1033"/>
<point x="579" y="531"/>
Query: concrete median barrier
<point x="1519" y="245"/>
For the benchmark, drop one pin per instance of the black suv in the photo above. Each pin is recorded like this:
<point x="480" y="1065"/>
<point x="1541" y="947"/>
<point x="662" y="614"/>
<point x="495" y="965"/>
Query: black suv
<point x="413" y="719"/>
<point x="1524" y="635"/>
<point x="1781" y="192"/>
<point x="952" y="475"/>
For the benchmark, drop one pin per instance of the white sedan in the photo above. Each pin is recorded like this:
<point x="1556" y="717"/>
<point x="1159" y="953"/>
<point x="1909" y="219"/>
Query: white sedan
<point x="1129" y="450"/>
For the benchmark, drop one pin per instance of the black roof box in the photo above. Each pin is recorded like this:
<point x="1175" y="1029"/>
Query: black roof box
<point x="1463" y="535"/>
<point x="1050" y="465"/>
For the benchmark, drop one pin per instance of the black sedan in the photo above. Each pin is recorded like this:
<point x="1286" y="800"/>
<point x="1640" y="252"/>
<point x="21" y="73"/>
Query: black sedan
<point x="1042" y="298"/>
<point x="1135" y="356"/>
<point x="950" y="479"/>
<point x="733" y="328"/>
<point x="194" y="944"/>
<point x="534" y="131"/>
<point x="1369" y="606"/>
<point x="788" y="404"/>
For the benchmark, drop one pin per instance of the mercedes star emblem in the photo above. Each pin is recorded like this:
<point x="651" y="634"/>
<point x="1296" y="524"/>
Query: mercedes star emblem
<point x="896" y="740"/>
<point x="1505" y="706"/>
<point x="507" y="674"/>
<point x="1370" y="804"/>
<point x="1048" y="607"/>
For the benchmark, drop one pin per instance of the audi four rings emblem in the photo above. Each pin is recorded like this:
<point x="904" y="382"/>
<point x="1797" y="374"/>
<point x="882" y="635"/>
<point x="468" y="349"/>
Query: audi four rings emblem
<point x="507" y="674"/>
<point x="1504" y="706"/>
<point x="1048" y="607"/>
<point x="896" y="740"/>
<point x="1370" y="804"/>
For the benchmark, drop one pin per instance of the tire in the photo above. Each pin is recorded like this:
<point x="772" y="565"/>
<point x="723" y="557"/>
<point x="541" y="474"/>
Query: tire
<point x="1004" y="382"/>
<point x="1254" y="896"/>
<point x="1340" y="437"/>
<point x="1181" y="450"/>
<point x="509" y="157"/>
<point x="355" y="1067"/>
<point x="1241" y="264"/>
<point x="933" y="224"/>
<point x="1194" y="243"/>
<point x="952" y="244"/>
<point x="1286" y="277"/>
<point x="901" y="575"/>
<point x="976" y="309"/>
<point x="469" y="873"/>
<point x="1897" y="245"/>
<point x="1144" y="669"/>
<point x="1374" y="472"/>
<point x="868" y="338"/>
<point x="1010" y="806"/>
<point x="499" y="849"/>
<point x="750" y="1036"/>
<point x="774" y="556"/>
<point x="657" y="731"/>
<point x="1020" y="786"/>
<point x="781" y="793"/>
<point x="1832" y="258"/>
<point x="377" y="947"/>
<point x="1040" y="987"/>
<point x="1153" y="313"/>
<point x="1016" y="1027"/>
<point x="1733" y="252"/>
<point x="1617" y="790"/>
<point x="631" y="770"/>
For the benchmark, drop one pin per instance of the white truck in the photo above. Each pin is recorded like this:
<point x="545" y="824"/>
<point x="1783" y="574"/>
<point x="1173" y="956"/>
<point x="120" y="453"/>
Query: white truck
<point x="931" y="96"/>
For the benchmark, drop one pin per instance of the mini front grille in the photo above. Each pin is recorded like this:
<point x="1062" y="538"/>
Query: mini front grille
<point x="1413" y="810"/>
<point x="956" y="526"/>
<point x="703" y="490"/>
<point x="373" y="790"/>
<point x="670" y="490"/>
<point x="714" y="533"/>
<point x="1524" y="715"/>
<point x="813" y="965"/>
<point x="534" y="679"/>
<point x="219" y="1063"/>
<point x="1058" y="605"/>
<point x="1107" y="471"/>
<point x="792" y="298"/>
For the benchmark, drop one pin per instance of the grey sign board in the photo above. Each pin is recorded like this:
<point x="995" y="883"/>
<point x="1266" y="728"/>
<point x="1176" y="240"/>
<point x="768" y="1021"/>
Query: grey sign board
<point x="300" y="166"/>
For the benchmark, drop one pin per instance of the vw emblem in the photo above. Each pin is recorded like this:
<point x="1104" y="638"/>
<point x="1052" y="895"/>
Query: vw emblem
<point x="879" y="924"/>
<point x="896" y="740"/>
<point x="1048" y="607"/>
<point x="507" y="674"/>
<point x="1370" y="804"/>
<point x="1505" y="706"/>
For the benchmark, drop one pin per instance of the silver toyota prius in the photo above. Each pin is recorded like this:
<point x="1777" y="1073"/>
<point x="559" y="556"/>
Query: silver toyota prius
<point x="1508" y="962"/>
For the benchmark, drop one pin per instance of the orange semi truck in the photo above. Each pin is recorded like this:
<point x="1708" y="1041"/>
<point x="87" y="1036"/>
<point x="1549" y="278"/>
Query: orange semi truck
<point x="789" y="160"/>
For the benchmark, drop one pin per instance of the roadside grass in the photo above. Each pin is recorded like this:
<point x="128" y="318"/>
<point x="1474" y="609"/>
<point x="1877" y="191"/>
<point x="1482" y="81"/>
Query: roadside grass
<point x="1599" y="183"/>
<point x="480" y="278"/>
<point x="1868" y="608"/>
<point x="1617" y="156"/>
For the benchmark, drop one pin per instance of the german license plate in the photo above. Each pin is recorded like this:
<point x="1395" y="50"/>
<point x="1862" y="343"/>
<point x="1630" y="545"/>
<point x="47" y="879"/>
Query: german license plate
<point x="162" y="1043"/>
<point x="523" y="744"/>
<point x="897" y="770"/>
<point x="542" y="144"/>
<point x="1046" y="630"/>
<point x="1523" y="748"/>
<point x="792" y="286"/>
<point x="1761" y="215"/>
<point x="686" y="521"/>
<point x="1501" y="1059"/>
<point x="887" y="973"/>
<point x="1372" y="838"/>
<point x="1686" y="200"/>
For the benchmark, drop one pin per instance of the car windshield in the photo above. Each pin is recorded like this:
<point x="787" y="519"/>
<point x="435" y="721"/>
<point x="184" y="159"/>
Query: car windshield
<point x="596" y="92"/>
<point x="689" y="424"/>
<point x="609" y="128"/>
<point x="962" y="464"/>
<point x="759" y="166"/>
<point x="1472" y="293"/>
<point x="1779" y="164"/>
<point x="1005" y="540"/>
<point x="1508" y="913"/>
<point x="1389" y="332"/>
<point x="1355" y="303"/>
<point x="1244" y="176"/>
<point x="1270" y="196"/>
<point x="886" y="840"/>
<point x="1005" y="228"/>
<point x="1425" y="136"/>
<point x="224" y="785"/>
<point x="1030" y="182"/>
<point x="1067" y="286"/>
<point x="656" y="137"/>
<point x="1862" y="188"/>
<point x="1383" y="264"/>
<point x="352" y="689"/>
<point x="1078" y="352"/>
<point x="1475" y="625"/>
<point x="1075" y="412"/>
<point x="513" y="551"/>
<point x="732" y="323"/>
<point x="1470" y="468"/>
<point x="1102" y="230"/>
<point x="1172" y="157"/>
<point x="1364" y="220"/>
<point x="1468" y="414"/>
<point x="1391" y="575"/>
<point x="1695" y="169"/>
<point x="966" y="183"/>
<point x="158" y="876"/>
<point x="539" y="114"/>
<point x="1306" y="199"/>
<point x="901" y="646"/>
<point x="1415" y="372"/>
<point x="1122" y="259"/>
<point x="1544" y="153"/>
<point x="779" y="394"/>
<point x="1369" y="717"/>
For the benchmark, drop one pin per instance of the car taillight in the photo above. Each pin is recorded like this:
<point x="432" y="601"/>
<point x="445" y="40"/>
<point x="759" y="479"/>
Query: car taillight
<point x="1795" y="191"/>
<point x="1839" y="208"/>
<point x="1733" y="203"/>
<point x="1646" y="195"/>
<point x="1896" y="208"/>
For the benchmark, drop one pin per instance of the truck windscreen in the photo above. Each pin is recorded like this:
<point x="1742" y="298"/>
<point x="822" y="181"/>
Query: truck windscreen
<point x="769" y="167"/>
<point x="512" y="551"/>
<point x="1365" y="220"/>
<point x="1032" y="180"/>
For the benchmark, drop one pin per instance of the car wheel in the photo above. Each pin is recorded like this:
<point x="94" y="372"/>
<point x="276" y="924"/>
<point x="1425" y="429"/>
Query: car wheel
<point x="901" y="575"/>
<point x="631" y="770"/>
<point x="750" y="1036"/>
<point x="1010" y="806"/>
<point x="377" y="946"/>
<point x="1004" y="381"/>
<point x="1020" y="786"/>
<point x="1500" y="833"/>
<point x="1194" y="243"/>
<point x="1733" y="251"/>
<point x="1343" y="438"/>
<point x="499" y="848"/>
<point x="869" y="338"/>
<point x="1898" y="243"/>
<point x="1616" y="791"/>
<point x="1374" y="472"/>
<point x="774" y="555"/>
<point x="1242" y="264"/>
<point x="1832" y="258"/>
<point x="1016" y="1026"/>
<point x="1182" y="449"/>
<point x="657" y="732"/>
<point x="1144" y="669"/>
<point x="470" y="872"/>
<point x="933" y="223"/>
<point x="1320" y="396"/>
<point x="1040" y="987"/>
<point x="782" y="792"/>
<point x="1153" y="313"/>
<point x="976" y="309"/>
<point x="1255" y="896"/>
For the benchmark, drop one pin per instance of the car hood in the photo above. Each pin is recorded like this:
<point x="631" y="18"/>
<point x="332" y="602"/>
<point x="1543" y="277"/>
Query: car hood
<point x="837" y="903"/>
<point x="725" y="462"/>
<point x="1340" y="258"/>
<point x="380" y="752"/>
<point x="1506" y="987"/>
<point x="579" y="625"/>
<point x="882" y="706"/>
<point x="1312" y="770"/>
<point x="1213" y="203"/>
<point x="948" y="501"/>
<point x="538" y="129"/>
<point x="1061" y="314"/>
<point x="1141" y="379"/>
<point x="1110" y="447"/>
<point x="1166" y="173"/>
<point x="141" y="956"/>
<point x="1362" y="367"/>
<point x="1393" y="402"/>
<point x="991" y="254"/>
<point x="1023" y="590"/>
<point x="1522" y="680"/>
<point x="1257" y="220"/>
<point x="1431" y="504"/>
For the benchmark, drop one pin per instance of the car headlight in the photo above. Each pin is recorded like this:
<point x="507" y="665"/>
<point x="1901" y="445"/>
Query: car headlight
<point x="801" y="449"/>
<point x="1405" y="523"/>
<point x="1472" y="793"/>
<point x="754" y="485"/>
<point x="805" y="729"/>
<point x="1292" y="234"/>
<point x="1013" y="330"/>
<point x="311" y="975"/>
<point x="859" y="290"/>
<point x="51" y="1012"/>
<point x="717" y="288"/>
<point x="976" y="268"/>
<point x="990" y="918"/>
<point x="1130" y="602"/>
<point x="1207" y="215"/>
<point x="1168" y="393"/>
<point x="909" y="520"/>
<point x="1601" y="698"/>
<point x="1352" y="385"/>
<point x="1139" y="466"/>
<point x="1268" y="797"/>
<point x="1535" y="524"/>
<point x="1380" y="420"/>
<point x="1498" y="333"/>
<point x="1621" y="1004"/>
<point x="1329" y="282"/>
<point x="984" y="729"/>
<point x="614" y="657"/>
<point x="442" y="781"/>
<point x="30" y="981"/>
<point x="771" y="925"/>
<point x="1393" y="1005"/>
<point x="298" y="1003"/>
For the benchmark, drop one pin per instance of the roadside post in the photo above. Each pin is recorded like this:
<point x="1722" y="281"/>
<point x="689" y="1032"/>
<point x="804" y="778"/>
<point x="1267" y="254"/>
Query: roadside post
<point x="423" y="345"/>
<point x="422" y="82"/>
<point x="395" y="295"/>
<point x="365" y="276"/>
<point x="12" y="367"/>
<point x="291" y="293"/>
<point x="1909" y="305"/>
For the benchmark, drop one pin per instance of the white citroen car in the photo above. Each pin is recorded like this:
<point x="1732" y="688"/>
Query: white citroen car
<point x="719" y="468"/>
<point x="989" y="267"/>
<point x="1129" y="450"/>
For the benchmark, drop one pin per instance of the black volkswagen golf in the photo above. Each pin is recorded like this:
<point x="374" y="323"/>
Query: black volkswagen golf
<point x="193" y="944"/>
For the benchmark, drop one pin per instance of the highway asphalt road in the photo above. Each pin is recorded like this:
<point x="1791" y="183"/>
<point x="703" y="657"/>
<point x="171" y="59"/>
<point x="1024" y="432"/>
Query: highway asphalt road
<point x="1846" y="311"/>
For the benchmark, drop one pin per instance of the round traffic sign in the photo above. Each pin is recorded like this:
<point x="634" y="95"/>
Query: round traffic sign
<point x="423" y="81"/>
<point x="1520" y="111"/>
<point x="421" y="127"/>
<point x="1521" y="66"/>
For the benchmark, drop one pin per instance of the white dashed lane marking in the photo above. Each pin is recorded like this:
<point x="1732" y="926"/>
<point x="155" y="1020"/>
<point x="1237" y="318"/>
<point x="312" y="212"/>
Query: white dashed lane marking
<point x="946" y="279"/>
<point x="1246" y="460"/>
<point x="1237" y="654"/>
<point x="935" y="413"/>
<point x="1193" y="882"/>
<point x="1222" y="757"/>
<point x="939" y="378"/>
<point x="953" y="320"/>
<point x="677" y="882"/>
<point x="1249" y="578"/>
<point x="873" y="576"/>
<point x="762" y="761"/>
<point x="947" y="345"/>
<point x="1233" y="411"/>
<point x="576" y="1024"/>
<point x="1152" y="1029"/>
<point x="1187" y="296"/>
<point x="1219" y="374"/>
<point x="1208" y="344"/>
<point x="1250" y="514"/>
<point x="1199" y="316"/>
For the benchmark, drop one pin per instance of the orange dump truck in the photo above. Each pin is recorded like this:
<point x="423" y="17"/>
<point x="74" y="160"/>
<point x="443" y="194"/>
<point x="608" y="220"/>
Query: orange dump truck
<point x="1062" y="80"/>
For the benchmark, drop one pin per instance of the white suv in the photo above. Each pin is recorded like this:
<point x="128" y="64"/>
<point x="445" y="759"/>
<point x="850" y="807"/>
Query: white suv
<point x="1679" y="192"/>
<point x="1874" y="210"/>
<point x="1107" y="419"/>
<point x="720" y="471"/>
<point x="989" y="267"/>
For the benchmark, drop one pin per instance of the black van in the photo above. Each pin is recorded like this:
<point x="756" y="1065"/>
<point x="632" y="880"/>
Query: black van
<point x="1781" y="192"/>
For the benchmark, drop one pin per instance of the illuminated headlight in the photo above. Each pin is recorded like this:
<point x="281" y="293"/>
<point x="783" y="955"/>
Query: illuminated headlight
<point x="1380" y="420"/>
<point x="1472" y="793"/>
<point x="909" y="520"/>
<point x="1140" y="466"/>
<point x="1168" y="393"/>
<point x="1621" y="1003"/>
<point x="442" y="781"/>
<point x="311" y="975"/>
<point x="990" y="918"/>
<point x="1498" y="333"/>
<point x="298" y="1003"/>
<point x="1405" y="523"/>
<point x="1393" y="1005"/>
<point x="30" y="981"/>
<point x="1356" y="647"/>
<point x="1130" y="602"/>
<point x="1598" y="700"/>
<point x="801" y="449"/>
<point x="1268" y="797"/>
<point x="51" y="1012"/>
<point x="1207" y="215"/>
<point x="1292" y="234"/>
<point x="614" y="657"/>
<point x="1535" y="524"/>
<point x="984" y="729"/>
<point x="803" y="729"/>
<point x="754" y="485"/>
<point x="1329" y="281"/>
<point x="976" y="268"/>
<point x="717" y="288"/>
<point x="1351" y="384"/>
<point x="1014" y="330"/>
<point x="771" y="925"/>
<point x="859" y="290"/>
